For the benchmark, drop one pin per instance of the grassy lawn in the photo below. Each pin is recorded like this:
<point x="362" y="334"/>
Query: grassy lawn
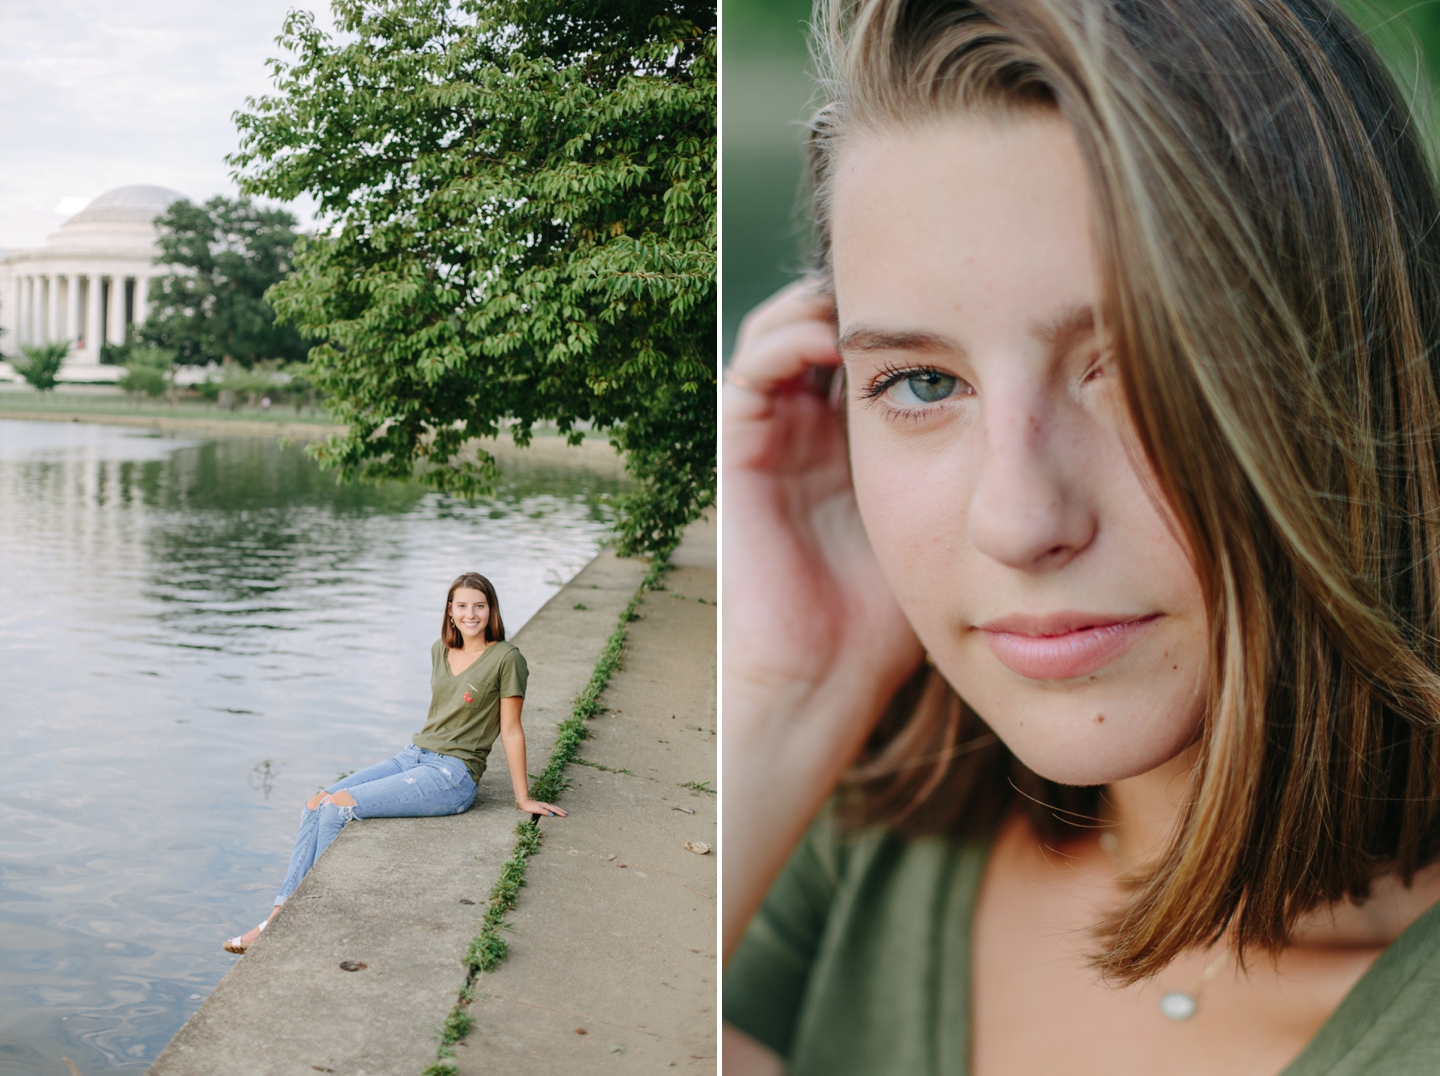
<point x="65" y="400"/>
<point x="97" y="401"/>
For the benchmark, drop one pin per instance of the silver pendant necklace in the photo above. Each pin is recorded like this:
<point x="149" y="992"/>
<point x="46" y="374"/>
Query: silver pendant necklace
<point x="1182" y="1004"/>
<point x="1177" y="1004"/>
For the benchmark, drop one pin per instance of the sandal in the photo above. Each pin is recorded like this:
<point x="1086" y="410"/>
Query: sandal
<point x="238" y="945"/>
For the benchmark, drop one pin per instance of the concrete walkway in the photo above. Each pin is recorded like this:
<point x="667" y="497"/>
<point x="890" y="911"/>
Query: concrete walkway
<point x="395" y="894"/>
<point x="612" y="965"/>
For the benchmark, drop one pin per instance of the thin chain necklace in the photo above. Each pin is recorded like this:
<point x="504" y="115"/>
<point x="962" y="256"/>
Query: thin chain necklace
<point x="1176" y="1004"/>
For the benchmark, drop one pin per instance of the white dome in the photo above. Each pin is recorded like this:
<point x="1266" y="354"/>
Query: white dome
<point x="140" y="204"/>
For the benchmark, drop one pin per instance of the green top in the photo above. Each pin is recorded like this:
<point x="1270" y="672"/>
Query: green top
<point x="859" y="965"/>
<point x="464" y="716"/>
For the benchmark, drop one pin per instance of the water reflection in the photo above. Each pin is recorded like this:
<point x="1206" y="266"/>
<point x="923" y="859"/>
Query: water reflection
<point x="194" y="635"/>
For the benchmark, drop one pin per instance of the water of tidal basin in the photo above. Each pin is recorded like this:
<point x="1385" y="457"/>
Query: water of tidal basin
<point x="194" y="635"/>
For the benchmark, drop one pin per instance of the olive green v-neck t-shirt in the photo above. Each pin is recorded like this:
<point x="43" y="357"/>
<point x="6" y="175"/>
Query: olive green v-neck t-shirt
<point x="859" y="965"/>
<point x="464" y="716"/>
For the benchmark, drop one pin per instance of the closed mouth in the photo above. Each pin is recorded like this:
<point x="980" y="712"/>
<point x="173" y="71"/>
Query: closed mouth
<point x="1062" y="646"/>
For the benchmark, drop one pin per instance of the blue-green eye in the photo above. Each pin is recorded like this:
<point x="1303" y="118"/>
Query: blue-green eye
<point x="924" y="387"/>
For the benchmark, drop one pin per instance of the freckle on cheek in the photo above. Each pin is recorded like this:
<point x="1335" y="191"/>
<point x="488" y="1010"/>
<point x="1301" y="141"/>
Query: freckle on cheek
<point x="1099" y="719"/>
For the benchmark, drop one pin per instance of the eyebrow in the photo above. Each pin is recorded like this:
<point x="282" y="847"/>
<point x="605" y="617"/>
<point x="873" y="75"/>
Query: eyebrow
<point x="863" y="338"/>
<point x="1066" y="328"/>
<point x="1058" y="332"/>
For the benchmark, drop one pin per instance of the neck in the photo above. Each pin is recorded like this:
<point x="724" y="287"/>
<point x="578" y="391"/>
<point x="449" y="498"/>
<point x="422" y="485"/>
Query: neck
<point x="1145" y="809"/>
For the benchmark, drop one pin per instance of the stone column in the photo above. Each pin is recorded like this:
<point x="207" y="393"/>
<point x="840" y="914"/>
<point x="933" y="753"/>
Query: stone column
<point x="142" y="305"/>
<point x="115" y="334"/>
<point x="29" y="309"/>
<point x="92" y="319"/>
<point x="73" y="327"/>
<point x="10" y="301"/>
<point x="56" y="323"/>
<point x="7" y="317"/>
<point x="59" y="296"/>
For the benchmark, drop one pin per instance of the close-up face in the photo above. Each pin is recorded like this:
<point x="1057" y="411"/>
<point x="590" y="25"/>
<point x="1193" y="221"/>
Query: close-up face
<point x="990" y="448"/>
<point x="470" y="611"/>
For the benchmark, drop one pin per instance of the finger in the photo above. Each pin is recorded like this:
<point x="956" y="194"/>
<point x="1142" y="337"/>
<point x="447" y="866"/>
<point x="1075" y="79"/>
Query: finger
<point x="804" y="300"/>
<point x="783" y="355"/>
<point x="774" y="361"/>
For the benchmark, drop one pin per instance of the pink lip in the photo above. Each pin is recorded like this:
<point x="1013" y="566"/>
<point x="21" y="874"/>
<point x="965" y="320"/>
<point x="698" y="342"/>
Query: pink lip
<point x="1062" y="646"/>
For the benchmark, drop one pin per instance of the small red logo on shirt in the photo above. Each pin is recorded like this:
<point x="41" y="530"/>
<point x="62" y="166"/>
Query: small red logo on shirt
<point x="468" y="698"/>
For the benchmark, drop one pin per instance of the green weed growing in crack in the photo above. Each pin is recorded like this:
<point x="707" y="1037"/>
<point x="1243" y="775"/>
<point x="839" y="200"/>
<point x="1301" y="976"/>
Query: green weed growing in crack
<point x="697" y="786"/>
<point x="488" y="948"/>
<point x="457" y="1026"/>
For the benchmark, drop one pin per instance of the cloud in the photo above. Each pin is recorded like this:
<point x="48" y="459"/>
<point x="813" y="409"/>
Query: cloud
<point x="96" y="95"/>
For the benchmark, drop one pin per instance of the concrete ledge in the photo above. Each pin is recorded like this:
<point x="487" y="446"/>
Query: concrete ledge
<point x="612" y="965"/>
<point x="388" y="893"/>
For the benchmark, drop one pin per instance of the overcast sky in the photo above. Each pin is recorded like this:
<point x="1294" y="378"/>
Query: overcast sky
<point x="98" y="94"/>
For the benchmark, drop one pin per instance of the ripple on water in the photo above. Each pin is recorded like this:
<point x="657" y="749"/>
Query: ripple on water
<point x="194" y="636"/>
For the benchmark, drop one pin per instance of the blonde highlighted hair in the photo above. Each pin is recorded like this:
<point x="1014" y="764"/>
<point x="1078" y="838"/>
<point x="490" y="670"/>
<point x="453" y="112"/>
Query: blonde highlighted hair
<point x="1267" y="224"/>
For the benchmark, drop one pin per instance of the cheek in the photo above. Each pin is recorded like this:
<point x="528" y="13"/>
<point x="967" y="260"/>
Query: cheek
<point x="914" y="500"/>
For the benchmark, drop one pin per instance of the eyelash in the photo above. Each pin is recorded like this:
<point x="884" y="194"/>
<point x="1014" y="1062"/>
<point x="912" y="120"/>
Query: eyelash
<point x="891" y="375"/>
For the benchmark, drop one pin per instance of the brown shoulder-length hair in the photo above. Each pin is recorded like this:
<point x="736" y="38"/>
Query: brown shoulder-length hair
<point x="494" y="627"/>
<point x="1270" y="239"/>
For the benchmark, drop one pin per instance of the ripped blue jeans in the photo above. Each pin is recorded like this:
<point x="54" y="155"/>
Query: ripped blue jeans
<point x="414" y="784"/>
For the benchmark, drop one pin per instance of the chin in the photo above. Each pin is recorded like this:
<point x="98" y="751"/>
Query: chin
<point x="1066" y="762"/>
<point x="1059" y="738"/>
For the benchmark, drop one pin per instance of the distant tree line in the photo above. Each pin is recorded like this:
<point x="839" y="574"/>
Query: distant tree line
<point x="211" y="307"/>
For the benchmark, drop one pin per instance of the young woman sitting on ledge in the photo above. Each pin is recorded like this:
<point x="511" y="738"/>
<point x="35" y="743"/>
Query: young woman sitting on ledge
<point x="1082" y="658"/>
<point x="477" y="685"/>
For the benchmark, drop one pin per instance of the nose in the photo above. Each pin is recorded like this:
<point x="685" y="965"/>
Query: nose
<point x="1028" y="510"/>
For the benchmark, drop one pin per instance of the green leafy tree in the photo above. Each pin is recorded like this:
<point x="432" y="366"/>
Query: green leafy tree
<point x="40" y="364"/>
<point x="519" y="199"/>
<point x="212" y="307"/>
<point x="148" y="370"/>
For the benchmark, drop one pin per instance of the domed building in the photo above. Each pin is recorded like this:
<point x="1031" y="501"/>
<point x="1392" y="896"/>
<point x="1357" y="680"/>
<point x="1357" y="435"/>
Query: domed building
<point x="88" y="284"/>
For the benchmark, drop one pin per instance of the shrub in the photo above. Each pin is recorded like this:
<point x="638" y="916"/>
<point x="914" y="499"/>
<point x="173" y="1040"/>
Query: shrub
<point x="41" y="364"/>
<point x="148" y="370"/>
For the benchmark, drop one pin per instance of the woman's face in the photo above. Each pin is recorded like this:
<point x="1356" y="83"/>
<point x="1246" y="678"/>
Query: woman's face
<point x="990" y="451"/>
<point x="471" y="612"/>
